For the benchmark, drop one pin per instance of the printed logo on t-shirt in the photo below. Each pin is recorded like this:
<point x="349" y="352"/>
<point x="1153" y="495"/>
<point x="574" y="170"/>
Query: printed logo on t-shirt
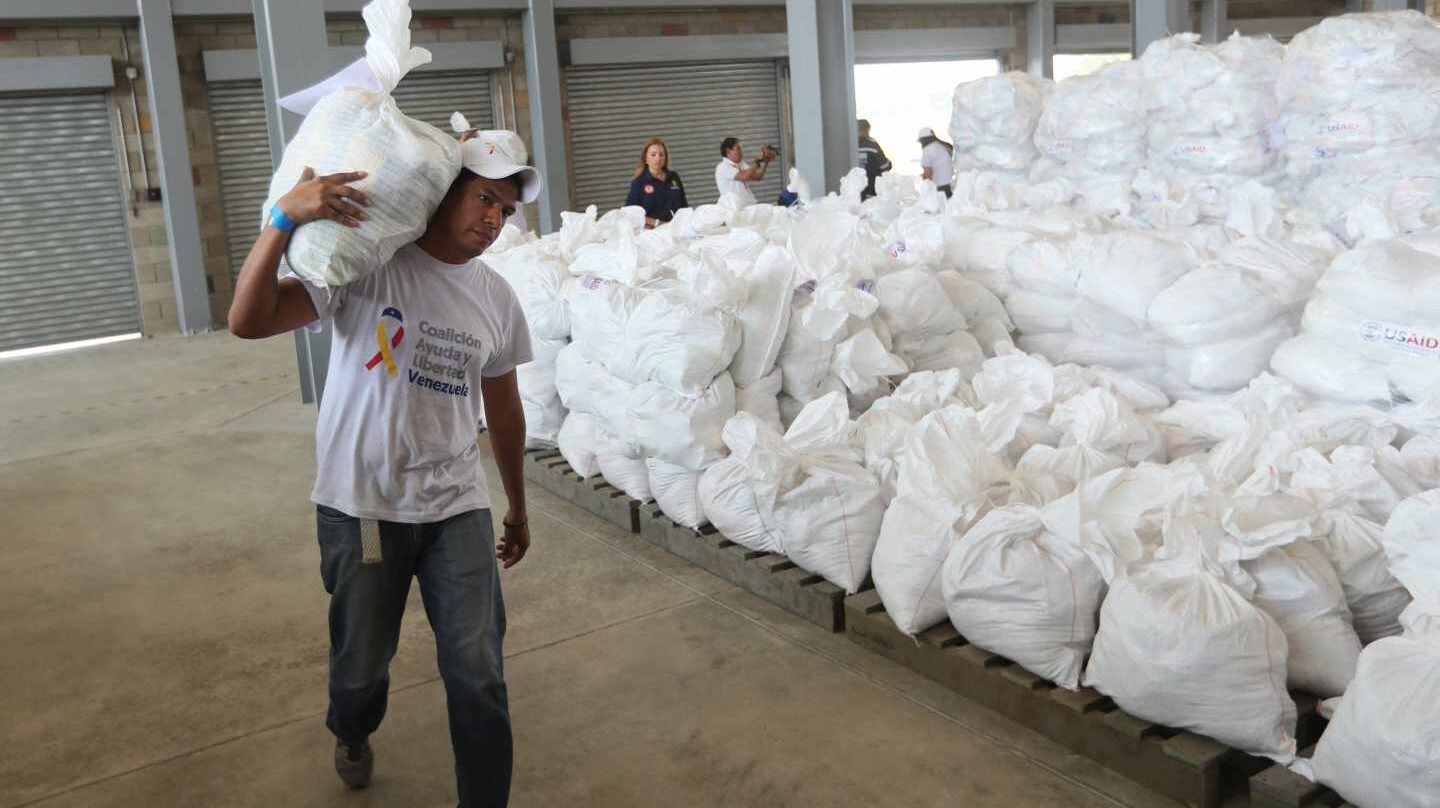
<point x="387" y="341"/>
<point x="649" y="189"/>
<point x="439" y="366"/>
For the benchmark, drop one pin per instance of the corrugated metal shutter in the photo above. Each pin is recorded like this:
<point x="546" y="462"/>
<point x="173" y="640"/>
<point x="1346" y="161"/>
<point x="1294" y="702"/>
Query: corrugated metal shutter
<point x="694" y="106"/>
<point x="66" y="268"/>
<point x="431" y="96"/>
<point x="242" y="146"/>
<point x="242" y="150"/>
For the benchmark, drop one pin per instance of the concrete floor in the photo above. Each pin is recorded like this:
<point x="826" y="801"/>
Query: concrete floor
<point x="165" y="643"/>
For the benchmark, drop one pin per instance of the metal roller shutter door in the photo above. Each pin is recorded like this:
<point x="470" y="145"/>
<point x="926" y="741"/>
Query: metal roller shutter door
<point x="694" y="106"/>
<point x="67" y="271"/>
<point x="242" y="146"/>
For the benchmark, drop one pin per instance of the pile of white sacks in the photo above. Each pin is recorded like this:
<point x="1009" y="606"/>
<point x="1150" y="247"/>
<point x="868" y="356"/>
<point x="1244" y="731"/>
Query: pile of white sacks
<point x="1041" y="410"/>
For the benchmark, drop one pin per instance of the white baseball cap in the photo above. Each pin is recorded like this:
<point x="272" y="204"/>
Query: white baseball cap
<point x="925" y="132"/>
<point x="499" y="154"/>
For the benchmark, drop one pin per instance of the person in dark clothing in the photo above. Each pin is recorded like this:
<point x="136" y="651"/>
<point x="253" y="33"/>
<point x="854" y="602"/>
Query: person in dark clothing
<point x="872" y="159"/>
<point x="656" y="188"/>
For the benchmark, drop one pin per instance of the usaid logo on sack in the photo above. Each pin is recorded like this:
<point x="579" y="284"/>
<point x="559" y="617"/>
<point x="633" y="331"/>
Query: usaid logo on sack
<point x="1341" y="127"/>
<point x="895" y="249"/>
<point x="591" y="282"/>
<point x="1400" y="338"/>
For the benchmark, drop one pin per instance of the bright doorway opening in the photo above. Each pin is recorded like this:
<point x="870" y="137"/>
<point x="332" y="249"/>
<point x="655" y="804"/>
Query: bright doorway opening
<point x="1079" y="64"/>
<point x="898" y="98"/>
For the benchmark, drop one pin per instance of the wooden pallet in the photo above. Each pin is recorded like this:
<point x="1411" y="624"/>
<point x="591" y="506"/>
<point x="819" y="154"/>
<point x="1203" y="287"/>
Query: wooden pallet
<point x="1278" y="787"/>
<point x="1186" y="767"/>
<point x="771" y="577"/>
<point x="548" y="469"/>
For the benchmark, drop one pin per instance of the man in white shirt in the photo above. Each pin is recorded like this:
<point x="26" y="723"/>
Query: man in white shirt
<point x="733" y="174"/>
<point x="421" y="348"/>
<point x="936" y="160"/>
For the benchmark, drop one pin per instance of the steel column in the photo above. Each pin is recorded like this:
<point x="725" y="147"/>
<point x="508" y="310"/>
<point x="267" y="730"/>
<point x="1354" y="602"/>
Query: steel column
<point x="1215" y="20"/>
<point x="1040" y="38"/>
<point x="172" y="154"/>
<point x="1156" y="19"/>
<point x="547" y="122"/>
<point x="294" y="54"/>
<point x="821" y="38"/>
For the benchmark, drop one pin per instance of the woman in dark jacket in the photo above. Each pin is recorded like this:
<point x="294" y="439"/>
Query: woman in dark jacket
<point x="656" y="188"/>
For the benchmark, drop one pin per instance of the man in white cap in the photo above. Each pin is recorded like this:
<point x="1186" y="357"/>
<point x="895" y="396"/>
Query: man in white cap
<point x="419" y="348"/>
<point x="936" y="161"/>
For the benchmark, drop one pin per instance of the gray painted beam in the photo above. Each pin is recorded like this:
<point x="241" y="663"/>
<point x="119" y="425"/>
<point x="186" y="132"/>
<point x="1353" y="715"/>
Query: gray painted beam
<point x="101" y="9"/>
<point x="887" y="45"/>
<point x="1156" y="19"/>
<point x="547" y="124"/>
<point x="1214" y="20"/>
<point x="236" y="65"/>
<point x="293" y="51"/>
<point x="1398" y="5"/>
<point x="26" y="73"/>
<point x="822" y="89"/>
<point x="1040" y="38"/>
<point x="172" y="153"/>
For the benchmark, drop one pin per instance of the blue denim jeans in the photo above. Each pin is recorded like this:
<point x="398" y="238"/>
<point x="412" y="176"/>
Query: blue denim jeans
<point x="460" y="583"/>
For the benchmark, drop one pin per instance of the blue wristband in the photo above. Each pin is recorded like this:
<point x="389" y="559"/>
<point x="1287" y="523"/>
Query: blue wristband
<point x="280" y="221"/>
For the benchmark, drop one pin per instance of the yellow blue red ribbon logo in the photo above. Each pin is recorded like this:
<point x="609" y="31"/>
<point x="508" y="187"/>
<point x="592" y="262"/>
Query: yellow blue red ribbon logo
<point x="387" y="342"/>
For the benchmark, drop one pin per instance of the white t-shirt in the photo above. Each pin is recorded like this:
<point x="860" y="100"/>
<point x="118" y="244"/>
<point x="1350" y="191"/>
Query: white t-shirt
<point x="396" y="439"/>
<point x="726" y="183"/>
<point x="937" y="158"/>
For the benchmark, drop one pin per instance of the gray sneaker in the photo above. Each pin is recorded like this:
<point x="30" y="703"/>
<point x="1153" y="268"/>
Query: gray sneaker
<point x="354" y="763"/>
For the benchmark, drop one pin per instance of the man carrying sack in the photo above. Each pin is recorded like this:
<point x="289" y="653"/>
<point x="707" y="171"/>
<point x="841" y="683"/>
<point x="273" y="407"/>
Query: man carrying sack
<point x="400" y="488"/>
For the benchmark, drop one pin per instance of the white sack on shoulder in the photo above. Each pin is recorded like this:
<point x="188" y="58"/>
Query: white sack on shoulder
<point x="410" y="164"/>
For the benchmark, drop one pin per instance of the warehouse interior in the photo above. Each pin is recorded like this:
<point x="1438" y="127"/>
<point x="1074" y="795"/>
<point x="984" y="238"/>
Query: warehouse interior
<point x="160" y="595"/>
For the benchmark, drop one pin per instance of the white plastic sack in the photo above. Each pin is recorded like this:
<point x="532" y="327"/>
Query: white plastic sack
<point x="578" y="443"/>
<point x="600" y="313"/>
<point x="948" y="478"/>
<point x="679" y="429"/>
<point x="678" y="340"/>
<point x="761" y="399"/>
<point x="621" y="466"/>
<point x="1014" y="588"/>
<point x="1297" y="586"/>
<point x="410" y="164"/>
<point x="1179" y="645"/>
<point x="765" y="317"/>
<point x="1412" y="544"/>
<point x="732" y="504"/>
<point x="677" y="491"/>
<point x="1382" y="748"/>
<point x="1375" y="598"/>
